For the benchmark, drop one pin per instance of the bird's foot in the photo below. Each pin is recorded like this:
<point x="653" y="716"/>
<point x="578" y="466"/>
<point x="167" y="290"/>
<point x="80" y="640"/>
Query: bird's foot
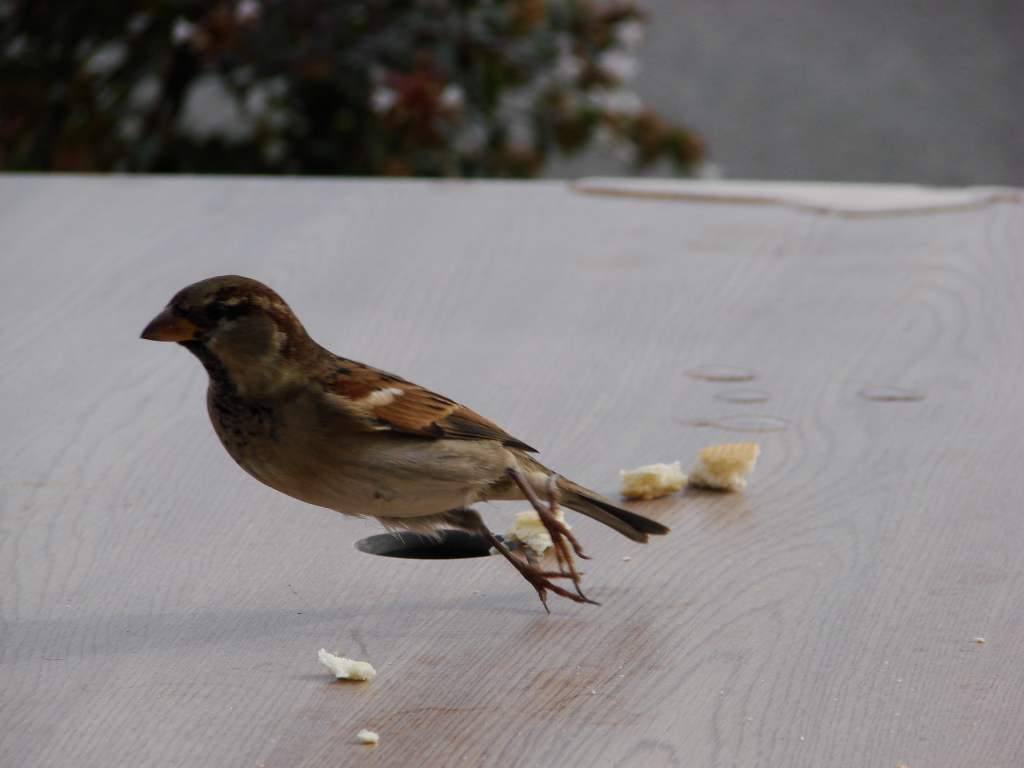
<point x="562" y="539"/>
<point x="529" y="568"/>
<point x="542" y="582"/>
<point x="540" y="579"/>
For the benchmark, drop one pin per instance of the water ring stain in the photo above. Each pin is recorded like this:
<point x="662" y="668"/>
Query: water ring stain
<point x="721" y="373"/>
<point x="742" y="423"/>
<point x="887" y="394"/>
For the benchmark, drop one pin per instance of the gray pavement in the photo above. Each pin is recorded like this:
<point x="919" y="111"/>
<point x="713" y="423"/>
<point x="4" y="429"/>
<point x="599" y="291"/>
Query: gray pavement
<point x="865" y="90"/>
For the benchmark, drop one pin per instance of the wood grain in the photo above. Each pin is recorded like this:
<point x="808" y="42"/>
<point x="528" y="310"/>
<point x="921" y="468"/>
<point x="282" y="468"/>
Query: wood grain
<point x="160" y="608"/>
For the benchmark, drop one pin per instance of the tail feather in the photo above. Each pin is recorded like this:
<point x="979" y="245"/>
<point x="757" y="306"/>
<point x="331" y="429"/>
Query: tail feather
<point x="630" y="524"/>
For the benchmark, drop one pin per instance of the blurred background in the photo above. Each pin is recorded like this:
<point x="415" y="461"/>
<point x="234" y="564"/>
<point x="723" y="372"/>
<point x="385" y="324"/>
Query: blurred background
<point x="878" y="90"/>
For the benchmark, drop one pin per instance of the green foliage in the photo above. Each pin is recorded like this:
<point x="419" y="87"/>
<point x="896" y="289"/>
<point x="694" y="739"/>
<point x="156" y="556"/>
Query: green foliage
<point x="364" y="87"/>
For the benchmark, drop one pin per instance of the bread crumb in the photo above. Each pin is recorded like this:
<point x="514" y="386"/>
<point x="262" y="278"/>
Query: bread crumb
<point x="626" y="558"/>
<point x="979" y="640"/>
<point x="529" y="531"/>
<point x="651" y="481"/>
<point x="368" y="737"/>
<point x="347" y="669"/>
<point x="724" y="467"/>
<point x="902" y="765"/>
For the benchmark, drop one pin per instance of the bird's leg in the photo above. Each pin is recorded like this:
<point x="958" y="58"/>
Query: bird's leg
<point x="561" y="536"/>
<point x="547" y="512"/>
<point x="470" y="520"/>
<point x="562" y="527"/>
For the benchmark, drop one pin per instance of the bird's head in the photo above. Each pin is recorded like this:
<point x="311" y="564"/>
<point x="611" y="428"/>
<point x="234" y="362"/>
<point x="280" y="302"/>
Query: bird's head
<point x="238" y="327"/>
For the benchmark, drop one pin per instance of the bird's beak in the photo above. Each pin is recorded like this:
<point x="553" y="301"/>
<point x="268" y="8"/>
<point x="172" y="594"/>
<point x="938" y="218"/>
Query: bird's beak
<point x="168" y="326"/>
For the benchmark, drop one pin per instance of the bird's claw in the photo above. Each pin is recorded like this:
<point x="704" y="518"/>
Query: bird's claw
<point x="562" y="541"/>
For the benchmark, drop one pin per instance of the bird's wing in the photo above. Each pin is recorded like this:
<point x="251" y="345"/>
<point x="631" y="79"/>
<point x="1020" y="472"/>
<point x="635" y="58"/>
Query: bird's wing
<point x="378" y="400"/>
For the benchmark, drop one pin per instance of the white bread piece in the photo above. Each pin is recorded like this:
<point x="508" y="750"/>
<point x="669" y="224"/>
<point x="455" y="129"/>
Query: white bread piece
<point x="347" y="669"/>
<point x="724" y="467"/>
<point x="529" y="531"/>
<point x="368" y="737"/>
<point x="651" y="481"/>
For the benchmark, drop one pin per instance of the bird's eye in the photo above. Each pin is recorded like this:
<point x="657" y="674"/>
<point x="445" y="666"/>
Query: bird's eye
<point x="215" y="311"/>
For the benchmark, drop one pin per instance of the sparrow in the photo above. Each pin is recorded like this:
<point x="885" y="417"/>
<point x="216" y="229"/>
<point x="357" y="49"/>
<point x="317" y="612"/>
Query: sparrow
<point x="343" y="435"/>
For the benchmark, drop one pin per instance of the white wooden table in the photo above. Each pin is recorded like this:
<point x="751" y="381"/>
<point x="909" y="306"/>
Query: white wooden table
<point x="160" y="608"/>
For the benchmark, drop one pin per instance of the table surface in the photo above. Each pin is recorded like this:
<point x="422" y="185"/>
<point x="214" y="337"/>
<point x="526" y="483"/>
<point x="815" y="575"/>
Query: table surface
<point x="160" y="608"/>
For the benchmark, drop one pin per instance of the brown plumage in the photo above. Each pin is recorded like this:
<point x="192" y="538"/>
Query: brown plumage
<point x="347" y="436"/>
<point x="412" y="409"/>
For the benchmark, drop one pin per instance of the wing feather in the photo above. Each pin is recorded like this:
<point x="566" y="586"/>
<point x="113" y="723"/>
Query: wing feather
<point x="383" y="401"/>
